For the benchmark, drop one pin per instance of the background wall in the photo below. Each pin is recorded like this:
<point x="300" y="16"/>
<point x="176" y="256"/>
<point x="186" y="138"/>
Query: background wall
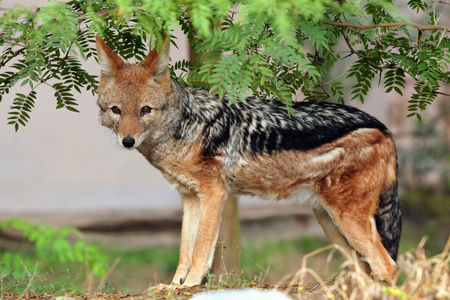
<point x="64" y="167"/>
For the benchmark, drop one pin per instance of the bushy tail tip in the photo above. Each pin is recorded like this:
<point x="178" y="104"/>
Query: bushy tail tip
<point x="388" y="220"/>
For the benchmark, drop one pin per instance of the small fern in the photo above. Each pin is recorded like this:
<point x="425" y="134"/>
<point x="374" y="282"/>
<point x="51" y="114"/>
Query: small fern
<point x="53" y="245"/>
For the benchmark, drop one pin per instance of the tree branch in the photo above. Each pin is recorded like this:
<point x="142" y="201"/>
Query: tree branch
<point x="397" y="24"/>
<point x="3" y="63"/>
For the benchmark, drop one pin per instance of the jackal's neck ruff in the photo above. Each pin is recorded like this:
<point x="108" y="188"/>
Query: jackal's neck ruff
<point x="339" y="159"/>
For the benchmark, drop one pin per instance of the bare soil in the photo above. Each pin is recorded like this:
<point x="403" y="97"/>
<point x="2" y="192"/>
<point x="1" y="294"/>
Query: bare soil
<point x="311" y="291"/>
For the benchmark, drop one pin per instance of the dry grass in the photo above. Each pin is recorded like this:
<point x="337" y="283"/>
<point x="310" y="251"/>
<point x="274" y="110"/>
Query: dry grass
<point x="419" y="278"/>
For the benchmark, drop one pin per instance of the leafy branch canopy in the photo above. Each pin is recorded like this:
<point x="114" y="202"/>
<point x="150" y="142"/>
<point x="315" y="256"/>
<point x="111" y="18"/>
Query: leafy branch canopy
<point x="271" y="48"/>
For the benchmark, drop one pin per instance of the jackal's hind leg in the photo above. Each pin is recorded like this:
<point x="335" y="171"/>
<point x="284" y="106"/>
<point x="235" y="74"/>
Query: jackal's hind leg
<point x="336" y="237"/>
<point x="361" y="233"/>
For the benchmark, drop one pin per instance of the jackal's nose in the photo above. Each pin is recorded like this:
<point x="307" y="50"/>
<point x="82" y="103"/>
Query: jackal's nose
<point x="128" y="142"/>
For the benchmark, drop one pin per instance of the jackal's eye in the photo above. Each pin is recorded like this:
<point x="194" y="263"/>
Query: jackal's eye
<point x="146" y="110"/>
<point x="115" y="110"/>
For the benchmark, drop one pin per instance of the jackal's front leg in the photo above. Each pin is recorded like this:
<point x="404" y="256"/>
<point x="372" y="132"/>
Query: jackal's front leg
<point x="189" y="229"/>
<point x="211" y="204"/>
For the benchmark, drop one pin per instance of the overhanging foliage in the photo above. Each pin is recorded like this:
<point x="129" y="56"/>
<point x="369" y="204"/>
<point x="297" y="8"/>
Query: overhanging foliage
<point x="270" y="48"/>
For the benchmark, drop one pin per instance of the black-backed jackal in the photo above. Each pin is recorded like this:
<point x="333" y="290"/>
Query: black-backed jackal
<point x="338" y="159"/>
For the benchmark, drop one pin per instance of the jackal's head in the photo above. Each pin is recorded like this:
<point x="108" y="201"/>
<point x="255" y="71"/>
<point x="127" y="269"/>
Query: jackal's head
<point x="135" y="99"/>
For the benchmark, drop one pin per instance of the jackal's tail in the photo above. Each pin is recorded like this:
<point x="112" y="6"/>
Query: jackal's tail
<point x="389" y="220"/>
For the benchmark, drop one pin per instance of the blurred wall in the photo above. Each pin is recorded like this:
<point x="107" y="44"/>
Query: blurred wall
<point x="66" y="162"/>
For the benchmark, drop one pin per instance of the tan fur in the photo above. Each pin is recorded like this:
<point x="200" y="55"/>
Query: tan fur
<point x="342" y="180"/>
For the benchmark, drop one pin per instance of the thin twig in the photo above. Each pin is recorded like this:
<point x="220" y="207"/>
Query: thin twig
<point x="419" y="36"/>
<point x="13" y="56"/>
<point x="375" y="66"/>
<point x="65" y="57"/>
<point x="441" y="93"/>
<point x="442" y="36"/>
<point x="379" y="37"/>
<point x="31" y="279"/>
<point x="108" y="273"/>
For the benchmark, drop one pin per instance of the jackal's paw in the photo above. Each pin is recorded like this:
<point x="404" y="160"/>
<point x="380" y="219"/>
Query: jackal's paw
<point x="162" y="287"/>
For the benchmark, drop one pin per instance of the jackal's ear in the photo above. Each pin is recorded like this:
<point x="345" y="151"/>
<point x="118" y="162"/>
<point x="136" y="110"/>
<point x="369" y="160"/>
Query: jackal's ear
<point x="110" y="63"/>
<point x="157" y="63"/>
